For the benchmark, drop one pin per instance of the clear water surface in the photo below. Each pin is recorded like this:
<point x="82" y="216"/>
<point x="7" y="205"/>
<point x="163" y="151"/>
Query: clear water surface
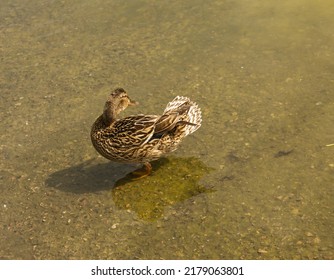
<point x="254" y="182"/>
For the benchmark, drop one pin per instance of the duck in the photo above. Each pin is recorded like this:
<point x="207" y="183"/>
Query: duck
<point x="142" y="138"/>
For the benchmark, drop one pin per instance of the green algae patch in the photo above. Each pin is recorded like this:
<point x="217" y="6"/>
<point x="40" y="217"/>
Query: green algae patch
<point x="173" y="180"/>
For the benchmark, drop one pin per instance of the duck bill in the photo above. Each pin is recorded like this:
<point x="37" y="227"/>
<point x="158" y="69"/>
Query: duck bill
<point x="133" y="103"/>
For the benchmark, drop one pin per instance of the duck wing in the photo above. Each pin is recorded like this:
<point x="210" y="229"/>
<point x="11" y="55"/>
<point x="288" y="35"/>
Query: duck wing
<point x="133" y="130"/>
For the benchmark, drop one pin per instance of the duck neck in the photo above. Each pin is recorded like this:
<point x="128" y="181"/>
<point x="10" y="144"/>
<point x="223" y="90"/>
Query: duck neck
<point x="109" y="114"/>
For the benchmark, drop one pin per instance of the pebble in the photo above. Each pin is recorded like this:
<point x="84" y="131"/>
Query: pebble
<point x="262" y="251"/>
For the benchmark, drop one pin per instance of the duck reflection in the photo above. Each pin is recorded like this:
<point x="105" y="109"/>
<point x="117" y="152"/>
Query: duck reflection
<point x="174" y="180"/>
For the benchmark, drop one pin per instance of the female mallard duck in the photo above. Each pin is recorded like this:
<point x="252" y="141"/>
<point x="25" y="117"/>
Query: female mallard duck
<point x="142" y="138"/>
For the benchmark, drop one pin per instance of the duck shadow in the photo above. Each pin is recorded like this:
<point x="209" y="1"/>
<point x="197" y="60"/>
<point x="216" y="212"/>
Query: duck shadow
<point x="173" y="180"/>
<point x="93" y="176"/>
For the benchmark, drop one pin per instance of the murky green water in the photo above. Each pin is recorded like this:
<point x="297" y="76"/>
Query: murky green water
<point x="254" y="182"/>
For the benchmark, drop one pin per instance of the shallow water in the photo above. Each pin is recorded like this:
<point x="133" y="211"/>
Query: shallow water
<point x="254" y="182"/>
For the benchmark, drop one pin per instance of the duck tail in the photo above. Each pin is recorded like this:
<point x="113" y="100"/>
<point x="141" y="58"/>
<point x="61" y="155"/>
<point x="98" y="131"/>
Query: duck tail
<point x="189" y="111"/>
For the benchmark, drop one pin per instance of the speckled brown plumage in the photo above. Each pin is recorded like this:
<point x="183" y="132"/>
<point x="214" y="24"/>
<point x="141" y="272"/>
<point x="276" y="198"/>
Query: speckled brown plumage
<point x="142" y="138"/>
